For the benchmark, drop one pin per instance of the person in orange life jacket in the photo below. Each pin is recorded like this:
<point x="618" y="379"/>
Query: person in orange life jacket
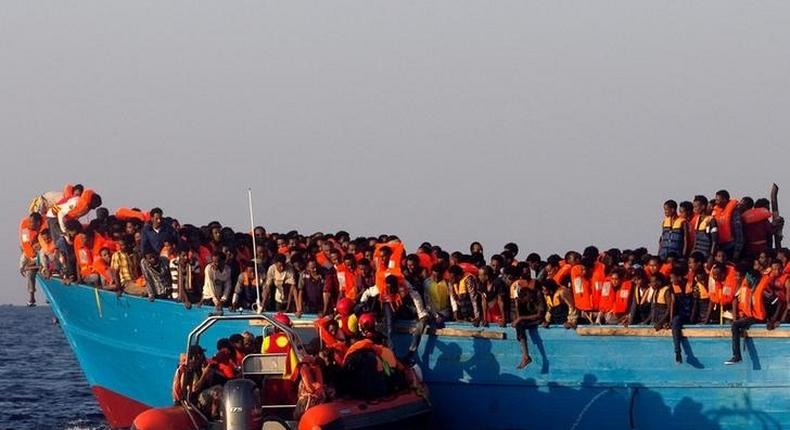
<point x="281" y="389"/>
<point x="401" y="301"/>
<point x="779" y="288"/>
<point x="674" y="231"/>
<point x="758" y="230"/>
<point x="83" y="250"/>
<point x="28" y="236"/>
<point x="57" y="210"/>
<point x="102" y="266"/>
<point x="495" y="294"/>
<point x="728" y="219"/>
<point x="224" y="360"/>
<point x="762" y="264"/>
<point x="155" y="270"/>
<point x="750" y="306"/>
<point x="641" y="302"/>
<point x="245" y="294"/>
<point x="530" y="309"/>
<point x="704" y="229"/>
<point x="609" y="296"/>
<point x="681" y="307"/>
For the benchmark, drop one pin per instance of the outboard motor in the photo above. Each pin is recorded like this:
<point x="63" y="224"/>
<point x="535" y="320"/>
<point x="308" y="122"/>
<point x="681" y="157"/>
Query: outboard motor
<point x="242" y="405"/>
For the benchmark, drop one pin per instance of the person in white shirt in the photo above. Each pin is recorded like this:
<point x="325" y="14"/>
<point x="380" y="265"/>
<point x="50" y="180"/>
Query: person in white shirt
<point x="217" y="286"/>
<point x="279" y="278"/>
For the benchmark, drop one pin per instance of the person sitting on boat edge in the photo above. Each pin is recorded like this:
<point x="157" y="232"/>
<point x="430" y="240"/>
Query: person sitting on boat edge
<point x="681" y="308"/>
<point x="156" y="273"/>
<point x="751" y="305"/>
<point x="248" y="287"/>
<point x="217" y="285"/>
<point x="530" y="307"/>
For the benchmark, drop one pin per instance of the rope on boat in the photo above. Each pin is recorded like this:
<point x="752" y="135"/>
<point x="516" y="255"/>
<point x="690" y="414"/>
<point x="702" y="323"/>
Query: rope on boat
<point x="98" y="301"/>
<point x="587" y="407"/>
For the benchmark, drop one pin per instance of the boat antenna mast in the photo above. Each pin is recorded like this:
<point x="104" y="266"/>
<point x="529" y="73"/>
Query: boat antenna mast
<point x="254" y="252"/>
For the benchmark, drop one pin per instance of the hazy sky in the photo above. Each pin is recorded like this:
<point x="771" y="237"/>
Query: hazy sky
<point x="554" y="124"/>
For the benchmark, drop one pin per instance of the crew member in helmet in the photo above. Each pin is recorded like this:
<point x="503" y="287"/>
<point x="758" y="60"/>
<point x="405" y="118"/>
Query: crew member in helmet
<point x="367" y="329"/>
<point x="282" y="389"/>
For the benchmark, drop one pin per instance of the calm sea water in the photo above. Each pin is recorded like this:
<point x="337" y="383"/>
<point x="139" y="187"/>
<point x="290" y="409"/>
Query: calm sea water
<point x="41" y="384"/>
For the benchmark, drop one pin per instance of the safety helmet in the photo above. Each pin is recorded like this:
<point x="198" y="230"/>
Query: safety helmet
<point x="367" y="322"/>
<point x="282" y="319"/>
<point x="345" y="306"/>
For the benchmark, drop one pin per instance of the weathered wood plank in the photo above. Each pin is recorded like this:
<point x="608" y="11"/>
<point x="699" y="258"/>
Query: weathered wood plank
<point x="688" y="332"/>
<point x="457" y="332"/>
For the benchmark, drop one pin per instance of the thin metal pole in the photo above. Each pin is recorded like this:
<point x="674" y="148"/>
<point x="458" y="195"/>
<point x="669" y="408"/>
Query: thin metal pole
<point x="254" y="251"/>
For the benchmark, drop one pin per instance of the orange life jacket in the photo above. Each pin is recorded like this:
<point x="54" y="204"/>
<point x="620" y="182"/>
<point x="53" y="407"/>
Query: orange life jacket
<point x="392" y="268"/>
<point x="582" y="289"/>
<point x="385" y="355"/>
<point x="27" y="237"/>
<point x="751" y="303"/>
<point x="83" y="205"/>
<point x="84" y="255"/>
<point x="126" y="214"/>
<point x="622" y="298"/>
<point x="722" y="293"/>
<point x="347" y="281"/>
<point x="607" y="296"/>
<point x="563" y="271"/>
<point x="724" y="220"/>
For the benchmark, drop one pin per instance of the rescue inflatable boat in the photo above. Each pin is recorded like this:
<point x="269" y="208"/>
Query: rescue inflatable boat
<point x="245" y="405"/>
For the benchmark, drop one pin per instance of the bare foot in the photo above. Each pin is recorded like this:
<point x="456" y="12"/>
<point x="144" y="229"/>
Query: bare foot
<point x="525" y="360"/>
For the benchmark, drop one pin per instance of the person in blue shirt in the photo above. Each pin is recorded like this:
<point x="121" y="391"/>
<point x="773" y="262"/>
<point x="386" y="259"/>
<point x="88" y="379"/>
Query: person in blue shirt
<point x="156" y="233"/>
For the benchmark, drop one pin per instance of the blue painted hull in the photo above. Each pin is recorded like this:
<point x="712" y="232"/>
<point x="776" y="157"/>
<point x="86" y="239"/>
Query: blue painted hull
<point x="130" y="347"/>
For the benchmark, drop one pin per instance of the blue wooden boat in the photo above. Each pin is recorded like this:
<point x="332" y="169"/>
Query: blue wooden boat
<point x="590" y="378"/>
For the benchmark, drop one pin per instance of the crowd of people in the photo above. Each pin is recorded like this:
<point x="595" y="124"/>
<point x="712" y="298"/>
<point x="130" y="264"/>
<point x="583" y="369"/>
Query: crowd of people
<point x="717" y="260"/>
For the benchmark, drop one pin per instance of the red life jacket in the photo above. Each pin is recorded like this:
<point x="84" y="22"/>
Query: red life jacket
<point x="724" y="220"/>
<point x="755" y="215"/>
<point x="622" y="298"/>
<point x="582" y="289"/>
<point x="607" y="296"/>
<point x="278" y="343"/>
